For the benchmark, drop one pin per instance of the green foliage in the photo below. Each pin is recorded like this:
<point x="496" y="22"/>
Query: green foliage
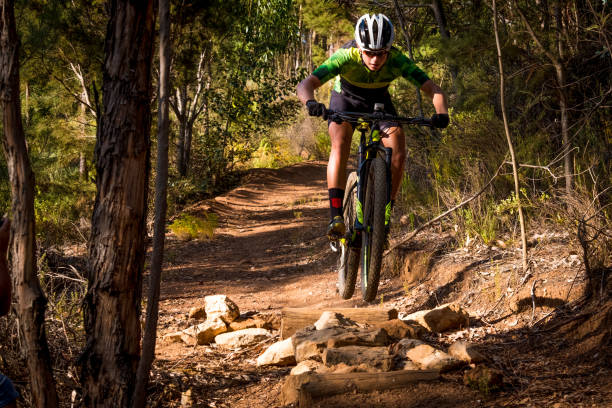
<point x="273" y="154"/>
<point x="188" y="227"/>
<point x="322" y="146"/>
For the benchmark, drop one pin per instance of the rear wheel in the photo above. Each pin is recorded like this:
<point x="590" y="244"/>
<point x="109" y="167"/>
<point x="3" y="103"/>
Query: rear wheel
<point x="348" y="262"/>
<point x="375" y="198"/>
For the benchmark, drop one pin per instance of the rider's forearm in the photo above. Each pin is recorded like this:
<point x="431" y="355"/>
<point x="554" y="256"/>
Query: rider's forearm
<point x="306" y="88"/>
<point x="438" y="98"/>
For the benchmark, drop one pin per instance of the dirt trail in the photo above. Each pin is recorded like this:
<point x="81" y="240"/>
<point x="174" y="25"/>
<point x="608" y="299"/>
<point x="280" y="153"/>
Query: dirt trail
<point x="270" y="252"/>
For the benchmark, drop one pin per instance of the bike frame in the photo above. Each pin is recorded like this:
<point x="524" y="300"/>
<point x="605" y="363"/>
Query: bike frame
<point x="368" y="150"/>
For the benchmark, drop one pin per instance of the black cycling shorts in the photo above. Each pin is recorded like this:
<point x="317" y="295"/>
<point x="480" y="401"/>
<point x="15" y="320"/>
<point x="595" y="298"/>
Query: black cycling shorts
<point x="350" y="102"/>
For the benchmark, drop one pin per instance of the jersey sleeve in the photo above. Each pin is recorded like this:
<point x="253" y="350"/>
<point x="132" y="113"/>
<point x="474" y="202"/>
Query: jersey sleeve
<point x="332" y="66"/>
<point x="409" y="70"/>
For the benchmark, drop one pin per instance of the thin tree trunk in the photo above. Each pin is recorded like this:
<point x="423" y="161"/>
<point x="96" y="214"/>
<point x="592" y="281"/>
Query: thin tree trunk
<point x="509" y="140"/>
<point x="83" y="126"/>
<point x="561" y="83"/>
<point x="117" y="244"/>
<point x="180" y="147"/>
<point x="31" y="301"/>
<point x="161" y="186"/>
<point x="187" y="150"/>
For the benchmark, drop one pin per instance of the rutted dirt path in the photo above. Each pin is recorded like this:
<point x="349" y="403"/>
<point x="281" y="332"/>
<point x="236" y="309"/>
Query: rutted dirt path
<point x="270" y="252"/>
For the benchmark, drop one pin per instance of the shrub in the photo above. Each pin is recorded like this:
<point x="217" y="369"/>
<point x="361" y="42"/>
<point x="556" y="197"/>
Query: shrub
<point x="188" y="227"/>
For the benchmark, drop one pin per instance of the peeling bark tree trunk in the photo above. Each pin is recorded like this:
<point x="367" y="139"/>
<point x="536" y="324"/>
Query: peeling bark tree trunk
<point x="117" y="244"/>
<point x="31" y="301"/>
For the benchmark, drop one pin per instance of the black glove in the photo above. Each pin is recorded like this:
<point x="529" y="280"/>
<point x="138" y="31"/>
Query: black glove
<point x="440" y="120"/>
<point x="315" y="108"/>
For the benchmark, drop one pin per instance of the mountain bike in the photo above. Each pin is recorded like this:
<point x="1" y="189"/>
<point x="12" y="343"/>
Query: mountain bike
<point x="366" y="203"/>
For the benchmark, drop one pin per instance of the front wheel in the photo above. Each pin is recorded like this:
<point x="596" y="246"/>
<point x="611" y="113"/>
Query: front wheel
<point x="348" y="262"/>
<point x="375" y="202"/>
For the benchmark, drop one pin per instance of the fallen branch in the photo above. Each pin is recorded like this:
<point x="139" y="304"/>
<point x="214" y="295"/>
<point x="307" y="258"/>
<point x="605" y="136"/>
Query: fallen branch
<point x="428" y="223"/>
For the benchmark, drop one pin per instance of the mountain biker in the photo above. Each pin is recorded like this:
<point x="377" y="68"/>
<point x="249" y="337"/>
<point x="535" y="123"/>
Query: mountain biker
<point x="363" y="69"/>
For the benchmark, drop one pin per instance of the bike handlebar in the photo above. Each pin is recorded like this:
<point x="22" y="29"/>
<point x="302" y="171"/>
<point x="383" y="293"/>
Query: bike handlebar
<point x="374" y="117"/>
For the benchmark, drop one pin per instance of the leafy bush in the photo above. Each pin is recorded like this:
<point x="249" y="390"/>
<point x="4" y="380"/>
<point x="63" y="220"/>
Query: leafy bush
<point x="188" y="227"/>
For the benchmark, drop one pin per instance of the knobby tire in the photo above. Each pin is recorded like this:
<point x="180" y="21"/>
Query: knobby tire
<point x="374" y="227"/>
<point x="348" y="262"/>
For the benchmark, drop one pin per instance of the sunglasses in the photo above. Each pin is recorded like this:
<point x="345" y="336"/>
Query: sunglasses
<point x="375" y="53"/>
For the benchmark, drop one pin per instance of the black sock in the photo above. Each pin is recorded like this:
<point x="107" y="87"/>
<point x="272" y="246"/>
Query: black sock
<point x="335" y="201"/>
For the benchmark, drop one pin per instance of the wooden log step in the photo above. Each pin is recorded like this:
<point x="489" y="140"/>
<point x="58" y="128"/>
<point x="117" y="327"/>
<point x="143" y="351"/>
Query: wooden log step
<point x="304" y="388"/>
<point x="294" y="319"/>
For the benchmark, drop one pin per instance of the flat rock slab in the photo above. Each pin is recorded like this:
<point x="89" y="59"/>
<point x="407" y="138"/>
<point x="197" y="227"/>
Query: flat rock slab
<point x="465" y="351"/>
<point x="242" y="338"/>
<point x="375" y="357"/>
<point x="400" y="329"/>
<point x="280" y="353"/>
<point x="203" y="333"/>
<point x="440" y="319"/>
<point x="310" y="343"/>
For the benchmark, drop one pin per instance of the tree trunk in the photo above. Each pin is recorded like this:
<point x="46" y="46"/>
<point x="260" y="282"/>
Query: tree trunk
<point x="187" y="149"/>
<point x="517" y="190"/>
<point x="117" y="243"/>
<point x="161" y="187"/>
<point x="180" y="147"/>
<point x="561" y="83"/>
<point x="30" y="299"/>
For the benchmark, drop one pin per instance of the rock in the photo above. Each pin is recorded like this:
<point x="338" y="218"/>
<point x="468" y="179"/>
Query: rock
<point x="405" y="365"/>
<point x="272" y="319"/>
<point x="466" y="352"/>
<point x="483" y="378"/>
<point x="440" y="319"/>
<point x="333" y="319"/>
<point x="401" y="347"/>
<point x="249" y="323"/>
<point x="172" y="337"/>
<point x="280" y="353"/>
<point x="309" y="366"/>
<point x="242" y="338"/>
<point x="197" y="312"/>
<point x="203" y="333"/>
<point x="400" y="329"/>
<point x="429" y="358"/>
<point x="311" y="343"/>
<point x="363" y="337"/>
<point x="221" y="306"/>
<point x="375" y="357"/>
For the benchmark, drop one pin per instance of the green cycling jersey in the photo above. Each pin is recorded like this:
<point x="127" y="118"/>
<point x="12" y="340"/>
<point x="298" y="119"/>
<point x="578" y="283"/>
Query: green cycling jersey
<point x="346" y="64"/>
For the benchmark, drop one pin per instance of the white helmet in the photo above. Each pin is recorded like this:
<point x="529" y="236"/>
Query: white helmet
<point x="374" y="32"/>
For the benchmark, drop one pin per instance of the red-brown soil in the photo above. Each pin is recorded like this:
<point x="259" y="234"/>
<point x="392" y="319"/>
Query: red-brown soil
<point x="269" y="252"/>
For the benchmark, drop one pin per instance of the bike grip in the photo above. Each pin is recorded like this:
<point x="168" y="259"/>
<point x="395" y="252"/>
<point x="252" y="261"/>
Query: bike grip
<point x="326" y="113"/>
